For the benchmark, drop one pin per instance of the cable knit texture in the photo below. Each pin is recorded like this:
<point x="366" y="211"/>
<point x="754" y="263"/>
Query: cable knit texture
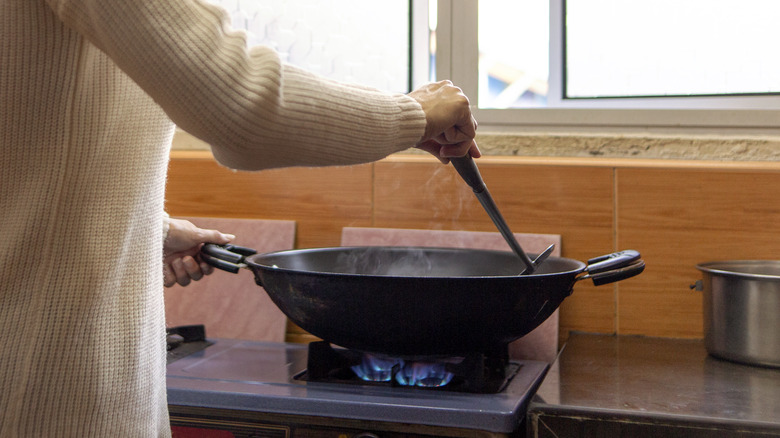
<point x="89" y="94"/>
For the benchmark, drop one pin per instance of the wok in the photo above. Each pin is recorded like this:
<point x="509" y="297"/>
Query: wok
<point x="417" y="301"/>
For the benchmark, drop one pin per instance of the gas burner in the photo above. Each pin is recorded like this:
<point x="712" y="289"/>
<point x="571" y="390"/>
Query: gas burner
<point x="247" y="388"/>
<point x="474" y="372"/>
<point x="185" y="340"/>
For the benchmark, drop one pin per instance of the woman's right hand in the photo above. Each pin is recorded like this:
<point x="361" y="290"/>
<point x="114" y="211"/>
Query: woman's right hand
<point x="450" y="126"/>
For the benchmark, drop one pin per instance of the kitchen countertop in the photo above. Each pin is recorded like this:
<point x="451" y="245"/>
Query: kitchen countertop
<point x="631" y="386"/>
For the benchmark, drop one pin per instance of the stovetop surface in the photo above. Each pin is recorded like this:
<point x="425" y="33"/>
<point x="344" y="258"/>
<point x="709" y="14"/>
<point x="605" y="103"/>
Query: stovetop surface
<point x="258" y="376"/>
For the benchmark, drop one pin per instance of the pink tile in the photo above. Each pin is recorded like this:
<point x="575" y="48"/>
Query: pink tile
<point x="232" y="305"/>
<point x="541" y="343"/>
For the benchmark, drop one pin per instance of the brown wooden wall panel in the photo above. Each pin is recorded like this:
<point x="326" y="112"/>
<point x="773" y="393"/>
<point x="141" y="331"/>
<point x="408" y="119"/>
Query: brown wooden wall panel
<point x="574" y="202"/>
<point x="321" y="200"/>
<point x="679" y="218"/>
<point x="676" y="213"/>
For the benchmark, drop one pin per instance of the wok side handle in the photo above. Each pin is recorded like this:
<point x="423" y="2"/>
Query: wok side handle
<point x="220" y="264"/>
<point x="611" y="261"/>
<point x="612" y="276"/>
<point x="614" y="267"/>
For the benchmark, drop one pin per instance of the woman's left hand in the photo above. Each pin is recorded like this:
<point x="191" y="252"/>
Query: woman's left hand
<point x="181" y="263"/>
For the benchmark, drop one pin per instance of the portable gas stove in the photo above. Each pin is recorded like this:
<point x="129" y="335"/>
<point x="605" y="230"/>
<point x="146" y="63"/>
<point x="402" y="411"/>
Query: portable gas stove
<point x="234" y="388"/>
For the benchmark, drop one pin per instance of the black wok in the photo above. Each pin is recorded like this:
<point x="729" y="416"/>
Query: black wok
<point x="417" y="301"/>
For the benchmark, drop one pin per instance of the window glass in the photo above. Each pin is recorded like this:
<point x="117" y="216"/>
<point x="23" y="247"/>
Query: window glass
<point x="626" y="48"/>
<point x="513" y="53"/>
<point x="364" y="42"/>
<point x="623" y="48"/>
<point x="671" y="48"/>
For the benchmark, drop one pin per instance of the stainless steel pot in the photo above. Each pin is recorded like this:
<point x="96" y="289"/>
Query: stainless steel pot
<point x="742" y="310"/>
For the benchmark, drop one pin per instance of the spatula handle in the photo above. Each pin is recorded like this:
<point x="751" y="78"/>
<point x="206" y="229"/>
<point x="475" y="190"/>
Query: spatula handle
<point x="468" y="170"/>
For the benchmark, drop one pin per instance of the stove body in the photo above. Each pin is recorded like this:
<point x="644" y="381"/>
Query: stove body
<point x="234" y="388"/>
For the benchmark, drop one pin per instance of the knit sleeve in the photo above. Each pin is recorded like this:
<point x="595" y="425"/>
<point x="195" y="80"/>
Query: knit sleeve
<point x="166" y="225"/>
<point x="254" y="110"/>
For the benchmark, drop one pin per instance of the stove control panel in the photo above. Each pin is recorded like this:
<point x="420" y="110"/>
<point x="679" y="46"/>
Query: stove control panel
<point x="192" y="422"/>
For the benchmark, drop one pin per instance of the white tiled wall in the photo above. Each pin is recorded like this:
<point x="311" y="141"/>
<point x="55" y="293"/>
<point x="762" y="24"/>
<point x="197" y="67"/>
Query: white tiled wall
<point x="360" y="41"/>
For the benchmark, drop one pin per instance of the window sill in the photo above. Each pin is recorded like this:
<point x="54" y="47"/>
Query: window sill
<point x="587" y="145"/>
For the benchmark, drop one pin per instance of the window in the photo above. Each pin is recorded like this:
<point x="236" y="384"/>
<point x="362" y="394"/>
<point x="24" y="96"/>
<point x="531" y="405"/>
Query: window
<point x="636" y="48"/>
<point x="365" y="42"/>
<point x="547" y="64"/>
<point x="530" y="63"/>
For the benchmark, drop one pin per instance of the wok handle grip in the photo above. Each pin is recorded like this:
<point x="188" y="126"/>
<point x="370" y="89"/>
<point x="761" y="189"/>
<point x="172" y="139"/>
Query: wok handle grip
<point x="614" y="275"/>
<point x="220" y="264"/>
<point x="612" y="261"/>
<point x="614" y="267"/>
<point x="228" y="258"/>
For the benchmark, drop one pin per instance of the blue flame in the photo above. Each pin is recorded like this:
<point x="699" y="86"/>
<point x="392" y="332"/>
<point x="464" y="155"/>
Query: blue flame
<point x="424" y="374"/>
<point x="376" y="369"/>
<point x="383" y="369"/>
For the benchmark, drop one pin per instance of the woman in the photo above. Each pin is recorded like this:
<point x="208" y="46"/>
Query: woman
<point x="90" y="91"/>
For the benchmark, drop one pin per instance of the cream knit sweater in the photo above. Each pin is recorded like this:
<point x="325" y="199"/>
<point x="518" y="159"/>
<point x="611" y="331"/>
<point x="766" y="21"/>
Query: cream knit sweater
<point x="89" y="94"/>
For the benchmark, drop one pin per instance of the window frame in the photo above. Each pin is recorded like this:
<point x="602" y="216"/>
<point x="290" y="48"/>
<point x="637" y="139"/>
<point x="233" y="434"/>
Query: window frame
<point x="457" y="59"/>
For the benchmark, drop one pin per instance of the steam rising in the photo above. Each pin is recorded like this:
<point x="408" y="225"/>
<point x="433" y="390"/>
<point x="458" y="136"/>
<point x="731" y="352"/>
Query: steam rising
<point x="373" y="261"/>
<point x="410" y="261"/>
<point x="446" y="192"/>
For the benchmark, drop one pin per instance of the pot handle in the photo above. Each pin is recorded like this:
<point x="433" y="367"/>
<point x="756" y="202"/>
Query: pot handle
<point x="614" y="267"/>
<point x="228" y="257"/>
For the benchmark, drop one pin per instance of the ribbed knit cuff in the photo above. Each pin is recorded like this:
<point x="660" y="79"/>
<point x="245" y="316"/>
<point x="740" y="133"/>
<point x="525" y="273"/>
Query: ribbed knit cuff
<point x="412" y="126"/>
